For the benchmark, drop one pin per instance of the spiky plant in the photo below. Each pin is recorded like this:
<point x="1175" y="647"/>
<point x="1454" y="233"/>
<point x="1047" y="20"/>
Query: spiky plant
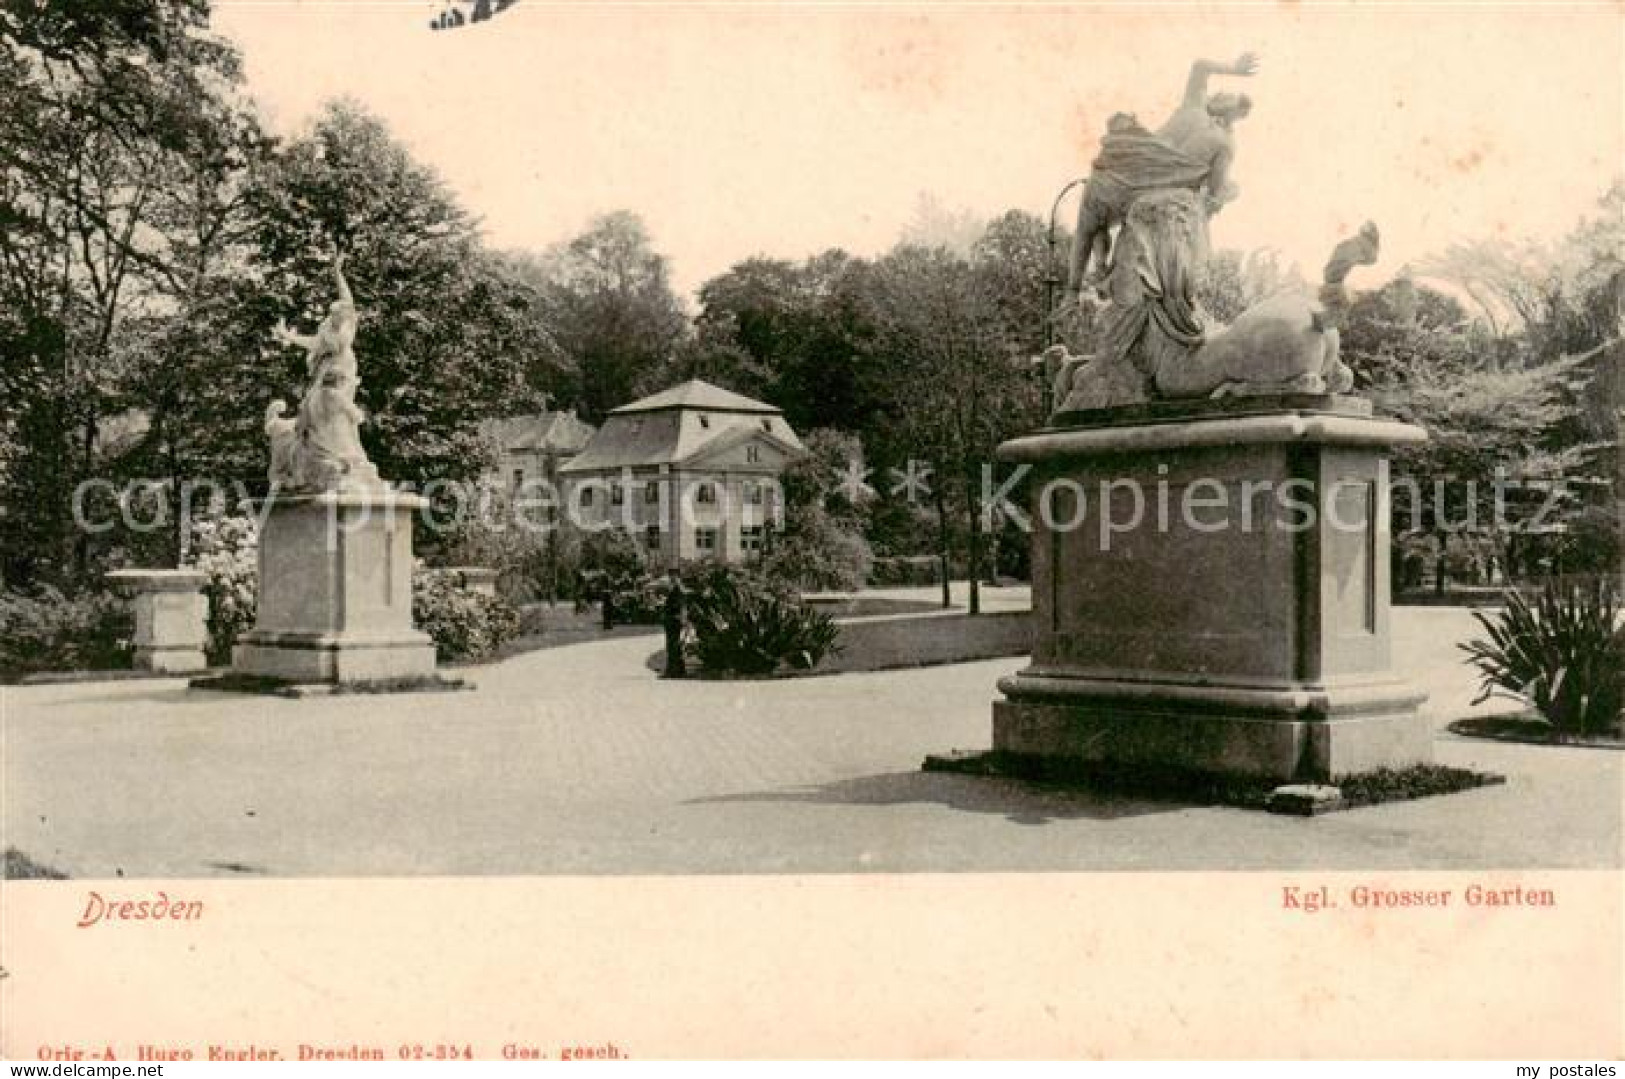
<point x="1564" y="653"/>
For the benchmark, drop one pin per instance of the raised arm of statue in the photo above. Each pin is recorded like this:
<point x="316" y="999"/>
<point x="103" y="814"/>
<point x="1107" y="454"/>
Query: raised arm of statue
<point x="284" y="336"/>
<point x="1219" y="188"/>
<point x="338" y="278"/>
<point x="1196" y="84"/>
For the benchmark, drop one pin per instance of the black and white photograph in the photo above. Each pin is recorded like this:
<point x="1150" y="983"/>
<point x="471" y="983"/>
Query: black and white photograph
<point x="686" y="464"/>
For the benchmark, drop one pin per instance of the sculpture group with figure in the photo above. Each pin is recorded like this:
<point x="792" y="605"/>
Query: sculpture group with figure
<point x="1153" y="340"/>
<point x="1247" y="637"/>
<point x="320" y="447"/>
<point x="1191" y="151"/>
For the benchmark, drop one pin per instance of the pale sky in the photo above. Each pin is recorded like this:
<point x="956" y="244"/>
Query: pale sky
<point x="782" y="130"/>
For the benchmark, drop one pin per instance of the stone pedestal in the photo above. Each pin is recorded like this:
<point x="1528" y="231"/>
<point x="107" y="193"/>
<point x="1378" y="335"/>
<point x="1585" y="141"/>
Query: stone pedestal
<point x="335" y="593"/>
<point x="1210" y="592"/>
<point x="171" y="617"/>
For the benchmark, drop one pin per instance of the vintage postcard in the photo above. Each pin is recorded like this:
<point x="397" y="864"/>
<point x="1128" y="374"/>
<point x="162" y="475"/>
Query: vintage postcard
<point x="538" y="530"/>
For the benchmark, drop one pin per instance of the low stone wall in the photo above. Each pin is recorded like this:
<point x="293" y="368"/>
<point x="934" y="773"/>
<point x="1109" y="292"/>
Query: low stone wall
<point x="912" y="640"/>
<point x="877" y="644"/>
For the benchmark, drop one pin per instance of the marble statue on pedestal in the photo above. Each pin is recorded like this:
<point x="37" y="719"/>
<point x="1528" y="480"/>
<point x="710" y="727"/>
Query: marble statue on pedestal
<point x="319" y="449"/>
<point x="1246" y="635"/>
<point x="335" y="544"/>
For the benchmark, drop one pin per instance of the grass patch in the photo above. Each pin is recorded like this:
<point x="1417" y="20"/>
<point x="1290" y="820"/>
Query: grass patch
<point x="1529" y="729"/>
<point x="267" y="686"/>
<point x="1404" y="784"/>
<point x="231" y="682"/>
<point x="417" y="683"/>
<point x="1164" y="783"/>
<point x="20" y="866"/>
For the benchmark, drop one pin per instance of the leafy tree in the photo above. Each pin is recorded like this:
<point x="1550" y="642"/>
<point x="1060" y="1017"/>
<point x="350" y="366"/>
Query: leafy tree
<point x="121" y="120"/>
<point x="1011" y="260"/>
<point x="449" y="334"/>
<point x="607" y="298"/>
<point x="1234" y="281"/>
<point x="822" y="544"/>
<point x="936" y="225"/>
<point x="959" y="385"/>
<point x="1483" y="453"/>
<point x="803" y="327"/>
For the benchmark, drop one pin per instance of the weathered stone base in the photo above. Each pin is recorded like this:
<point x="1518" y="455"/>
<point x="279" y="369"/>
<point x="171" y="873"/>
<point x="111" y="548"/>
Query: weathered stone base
<point x="266" y="686"/>
<point x="169" y="660"/>
<point x="1288" y="736"/>
<point x="319" y="657"/>
<point x="335" y="595"/>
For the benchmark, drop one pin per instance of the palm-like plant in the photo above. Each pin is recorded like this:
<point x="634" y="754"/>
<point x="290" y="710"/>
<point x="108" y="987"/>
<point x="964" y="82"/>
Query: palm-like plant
<point x="742" y="626"/>
<point x="1564" y="653"/>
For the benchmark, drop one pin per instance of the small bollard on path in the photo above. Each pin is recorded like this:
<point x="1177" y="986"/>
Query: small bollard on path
<point x="171" y="617"/>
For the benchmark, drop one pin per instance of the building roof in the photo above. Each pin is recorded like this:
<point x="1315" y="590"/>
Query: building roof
<point x="698" y="394"/>
<point x="560" y="432"/>
<point x="679" y="425"/>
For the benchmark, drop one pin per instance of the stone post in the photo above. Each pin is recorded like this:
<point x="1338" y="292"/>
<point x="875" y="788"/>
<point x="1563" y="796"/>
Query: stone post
<point x="171" y="617"/>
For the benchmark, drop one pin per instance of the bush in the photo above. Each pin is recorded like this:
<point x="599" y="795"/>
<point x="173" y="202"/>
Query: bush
<point x="818" y="553"/>
<point x="1564" y="653"/>
<point x="48" y="631"/>
<point x="1593" y="541"/>
<point x="639" y="603"/>
<point x="911" y="571"/>
<point x="464" y="624"/>
<point x="742" y="625"/>
<point x="494" y="530"/>
<point x="226" y="550"/>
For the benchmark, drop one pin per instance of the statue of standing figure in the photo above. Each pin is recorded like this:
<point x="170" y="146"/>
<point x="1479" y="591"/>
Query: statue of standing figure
<point x="1191" y="151"/>
<point x="320" y="448"/>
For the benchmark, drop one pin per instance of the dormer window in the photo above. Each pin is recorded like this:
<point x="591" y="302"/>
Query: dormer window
<point x="705" y="421"/>
<point x="767" y="425"/>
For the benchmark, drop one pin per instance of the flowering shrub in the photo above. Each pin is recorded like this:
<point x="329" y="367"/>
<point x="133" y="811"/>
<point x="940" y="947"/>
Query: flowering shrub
<point x="465" y="625"/>
<point x="47" y="631"/>
<point x="226" y="550"/>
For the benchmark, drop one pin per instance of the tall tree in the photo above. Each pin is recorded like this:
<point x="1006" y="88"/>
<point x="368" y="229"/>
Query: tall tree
<point x="118" y="115"/>
<point x="959" y="386"/>
<point x="609" y="303"/>
<point x="804" y="326"/>
<point x="449" y="334"/>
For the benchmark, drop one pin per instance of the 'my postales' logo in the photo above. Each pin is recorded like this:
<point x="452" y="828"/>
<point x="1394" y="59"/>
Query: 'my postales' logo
<point x="465" y="12"/>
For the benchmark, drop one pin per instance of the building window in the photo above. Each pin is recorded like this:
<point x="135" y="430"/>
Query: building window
<point x="617" y="494"/>
<point x="753" y="494"/>
<point x="586" y="496"/>
<point x="518" y="478"/>
<point x="651" y="491"/>
<point x="753" y="454"/>
<point x="767" y="425"/>
<point x="750" y="539"/>
<point x="705" y="494"/>
<point x="705" y="421"/>
<point x="651" y="537"/>
<point x="705" y="540"/>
